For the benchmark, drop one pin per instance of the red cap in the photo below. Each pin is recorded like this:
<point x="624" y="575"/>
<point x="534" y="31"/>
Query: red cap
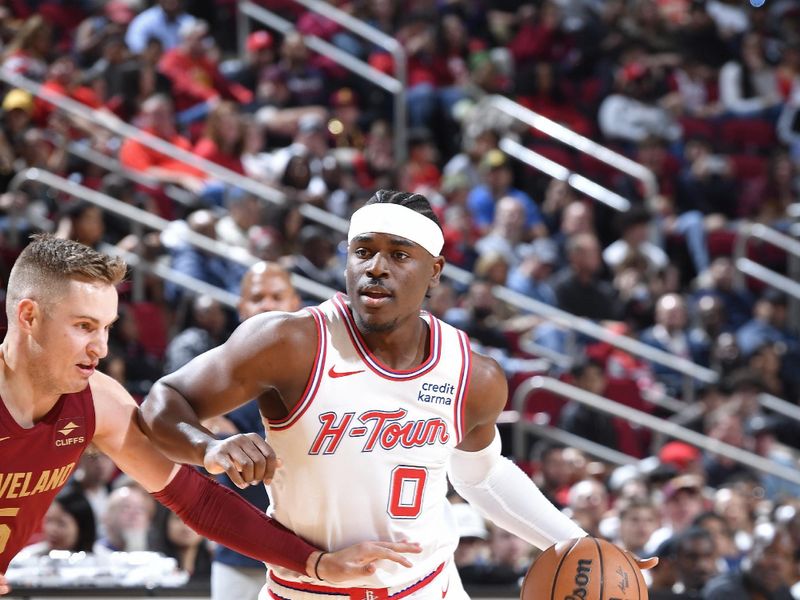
<point x="679" y="454"/>
<point x="259" y="40"/>
<point x="633" y="71"/>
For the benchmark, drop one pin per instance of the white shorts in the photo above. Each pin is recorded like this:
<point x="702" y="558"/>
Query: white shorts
<point x="444" y="584"/>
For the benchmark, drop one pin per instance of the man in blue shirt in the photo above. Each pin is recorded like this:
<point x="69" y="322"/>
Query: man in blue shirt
<point x="498" y="179"/>
<point x="265" y="287"/>
<point x="162" y="22"/>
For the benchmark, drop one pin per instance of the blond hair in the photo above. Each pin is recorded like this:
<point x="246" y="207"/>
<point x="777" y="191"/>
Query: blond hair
<point x="48" y="262"/>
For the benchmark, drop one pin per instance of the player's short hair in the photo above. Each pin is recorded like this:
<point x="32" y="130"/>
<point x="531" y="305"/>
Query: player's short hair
<point x="49" y="262"/>
<point x="416" y="202"/>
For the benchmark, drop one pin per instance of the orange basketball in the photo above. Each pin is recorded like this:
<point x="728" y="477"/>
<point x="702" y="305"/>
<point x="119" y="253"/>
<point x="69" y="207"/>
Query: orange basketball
<point x="584" y="569"/>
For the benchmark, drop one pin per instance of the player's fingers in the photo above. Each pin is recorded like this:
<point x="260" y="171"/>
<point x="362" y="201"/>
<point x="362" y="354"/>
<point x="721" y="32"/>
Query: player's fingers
<point x="375" y="552"/>
<point x="257" y="462"/>
<point x="647" y="563"/>
<point x="242" y="460"/>
<point x="232" y="470"/>
<point x="271" y="461"/>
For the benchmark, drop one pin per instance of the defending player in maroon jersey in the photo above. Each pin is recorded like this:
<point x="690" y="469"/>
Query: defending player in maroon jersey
<point x="61" y="303"/>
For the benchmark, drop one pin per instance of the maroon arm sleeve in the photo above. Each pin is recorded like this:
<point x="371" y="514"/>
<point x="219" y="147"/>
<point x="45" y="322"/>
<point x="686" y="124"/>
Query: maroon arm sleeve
<point x="217" y="513"/>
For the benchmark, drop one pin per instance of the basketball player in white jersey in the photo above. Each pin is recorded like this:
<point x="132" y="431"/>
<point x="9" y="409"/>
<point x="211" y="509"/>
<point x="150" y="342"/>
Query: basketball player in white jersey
<point x="370" y="404"/>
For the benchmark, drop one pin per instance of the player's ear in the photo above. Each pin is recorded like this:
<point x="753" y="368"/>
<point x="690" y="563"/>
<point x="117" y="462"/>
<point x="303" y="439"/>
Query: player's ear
<point x="438" y="265"/>
<point x="28" y="312"/>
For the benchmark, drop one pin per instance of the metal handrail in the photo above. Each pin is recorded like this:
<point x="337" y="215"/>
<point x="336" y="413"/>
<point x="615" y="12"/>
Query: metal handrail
<point x="577" y="141"/>
<point x="394" y="85"/>
<point x="116" y="125"/>
<point x="642" y="419"/>
<point x="560" y="436"/>
<point x="137" y="215"/>
<point x="746" y="266"/>
<point x="388" y="43"/>
<point x="562" y="173"/>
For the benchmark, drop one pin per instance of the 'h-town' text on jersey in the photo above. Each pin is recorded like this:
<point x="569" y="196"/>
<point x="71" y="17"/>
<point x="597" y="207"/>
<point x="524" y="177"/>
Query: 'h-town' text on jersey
<point x="367" y="448"/>
<point x="35" y="464"/>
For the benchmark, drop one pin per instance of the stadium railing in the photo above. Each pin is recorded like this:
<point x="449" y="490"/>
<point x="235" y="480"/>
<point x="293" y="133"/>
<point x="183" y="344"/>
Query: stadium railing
<point x="396" y="85"/>
<point x="642" y="419"/>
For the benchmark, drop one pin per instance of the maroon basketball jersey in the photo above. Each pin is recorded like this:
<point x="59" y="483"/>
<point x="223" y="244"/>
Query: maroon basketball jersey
<point x="35" y="464"/>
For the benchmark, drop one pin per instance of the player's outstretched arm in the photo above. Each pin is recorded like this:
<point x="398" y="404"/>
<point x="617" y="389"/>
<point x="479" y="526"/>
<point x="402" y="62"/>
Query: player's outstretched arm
<point x="211" y="509"/>
<point x="266" y="352"/>
<point x="494" y="484"/>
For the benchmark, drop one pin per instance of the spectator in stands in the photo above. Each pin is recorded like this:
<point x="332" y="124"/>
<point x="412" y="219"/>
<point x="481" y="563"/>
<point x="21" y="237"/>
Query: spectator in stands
<point x="719" y="283"/>
<point x="305" y="83"/>
<point x="478" y="316"/>
<point x="748" y="87"/>
<point x="224" y="137"/>
<point x="472" y="555"/>
<point x="497" y="184"/>
<point x="244" y="212"/>
<point x="478" y="140"/>
<point x="63" y="79"/>
<point x="633" y="114"/>
<point x="158" y="118"/>
<point x="69" y="524"/>
<point x="127" y="519"/>
<point x="207" y="331"/>
<point x="316" y="259"/>
<point x="553" y="476"/>
<point x="171" y="537"/>
<point x="638" y="520"/>
<point x="82" y="222"/>
<point x="507" y="232"/>
<point x="531" y="276"/>
<point x="768" y="324"/>
<point x="725" y="424"/>
<point x="510" y="556"/>
<point x="265" y="287"/>
<point x="108" y="20"/>
<point x="695" y="564"/>
<point x="93" y="476"/>
<point x="589" y="375"/>
<point x="766" y="199"/>
<point x="768" y="571"/>
<point x="706" y="184"/>
<point x="17" y="109"/>
<point x="30" y="49"/>
<point x="729" y="556"/>
<point x="682" y="501"/>
<point x="196" y="80"/>
<point x="671" y="333"/>
<point x="162" y="22"/>
<point x="633" y="227"/>
<point x="259" y="56"/>
<point x="587" y="502"/>
<point x="131" y="80"/>
<point x="140" y="367"/>
<point x="578" y="287"/>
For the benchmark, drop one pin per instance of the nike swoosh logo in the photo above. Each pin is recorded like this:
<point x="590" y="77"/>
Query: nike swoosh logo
<point x="5" y="438"/>
<point x="333" y="373"/>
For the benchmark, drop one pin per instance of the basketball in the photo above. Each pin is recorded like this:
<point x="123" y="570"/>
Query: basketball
<point x="584" y="569"/>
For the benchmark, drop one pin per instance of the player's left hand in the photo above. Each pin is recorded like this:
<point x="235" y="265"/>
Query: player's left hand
<point x="4" y="587"/>
<point x="642" y="563"/>
<point x="360" y="560"/>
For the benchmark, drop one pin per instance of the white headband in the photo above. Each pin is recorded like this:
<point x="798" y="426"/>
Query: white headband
<point x="397" y="220"/>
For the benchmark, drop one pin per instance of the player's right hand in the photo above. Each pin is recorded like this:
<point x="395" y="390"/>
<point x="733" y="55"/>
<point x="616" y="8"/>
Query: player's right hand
<point x="360" y="560"/>
<point x="4" y="587"/>
<point x="246" y="458"/>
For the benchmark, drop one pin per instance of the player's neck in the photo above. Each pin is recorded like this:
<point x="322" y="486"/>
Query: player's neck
<point x="26" y="401"/>
<point x="402" y="348"/>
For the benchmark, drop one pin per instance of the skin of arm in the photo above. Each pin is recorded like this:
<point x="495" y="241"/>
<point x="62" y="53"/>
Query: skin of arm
<point x="267" y="352"/>
<point x="118" y="434"/>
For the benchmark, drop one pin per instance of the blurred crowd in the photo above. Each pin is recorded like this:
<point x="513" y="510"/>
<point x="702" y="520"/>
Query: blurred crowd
<point x="705" y="93"/>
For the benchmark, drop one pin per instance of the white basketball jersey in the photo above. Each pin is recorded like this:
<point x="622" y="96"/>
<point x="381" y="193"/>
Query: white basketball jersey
<point x="366" y="448"/>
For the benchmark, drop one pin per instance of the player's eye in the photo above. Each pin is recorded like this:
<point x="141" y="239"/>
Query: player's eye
<point x="361" y="252"/>
<point x="400" y="255"/>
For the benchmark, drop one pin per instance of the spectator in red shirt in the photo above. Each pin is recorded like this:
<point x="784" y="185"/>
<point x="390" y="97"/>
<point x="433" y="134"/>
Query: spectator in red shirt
<point x="195" y="77"/>
<point x="223" y="140"/>
<point x="158" y="119"/>
<point x="64" y="79"/>
<point x="28" y="52"/>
